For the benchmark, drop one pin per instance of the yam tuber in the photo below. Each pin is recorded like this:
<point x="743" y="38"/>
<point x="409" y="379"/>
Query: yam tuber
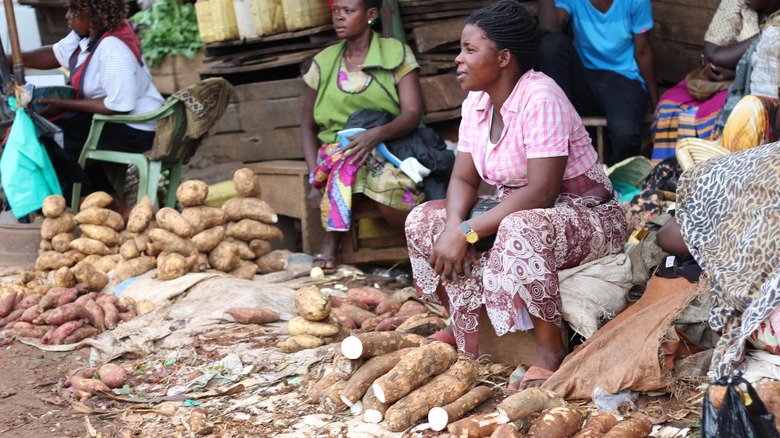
<point x="372" y="369"/>
<point x="413" y="369"/>
<point x="374" y="344"/>
<point x="440" y="417"/>
<point x="299" y="342"/>
<point x="171" y="220"/>
<point x="192" y="192"/>
<point x="301" y="326"/>
<point x="527" y="402"/>
<point x="249" y="229"/>
<point x="53" y="206"/>
<point x="312" y="304"/>
<point x="441" y="390"/>
<point x="367" y="295"/>
<point x="274" y="261"/>
<point x="597" y="425"/>
<point x="237" y="209"/>
<point x="140" y="215"/>
<point x="252" y="316"/>
<point x="559" y="422"/>
<point x="637" y="426"/>
<point x="476" y="426"/>
<point x="131" y="268"/>
<point x="203" y="217"/>
<point x="247" y="183"/>
<point x="96" y="199"/>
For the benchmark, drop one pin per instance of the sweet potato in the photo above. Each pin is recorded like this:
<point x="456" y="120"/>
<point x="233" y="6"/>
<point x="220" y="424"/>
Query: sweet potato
<point x="64" y="223"/>
<point x="249" y="229"/>
<point x="301" y="326"/>
<point x="95" y="315"/>
<point x="422" y="325"/>
<point x="30" y="314"/>
<point x="86" y="331"/>
<point x="371" y="323"/>
<point x="376" y="343"/>
<point x="164" y="240"/>
<point x="11" y="317"/>
<point x="299" y="342"/>
<point x="527" y="402"/>
<point x="67" y="296"/>
<point x="388" y="306"/>
<point x="131" y="268"/>
<point x="90" y="246"/>
<point x="191" y="193"/>
<point x="90" y="386"/>
<point x="207" y="239"/>
<point x="55" y="260"/>
<point x="237" y="209"/>
<point x="110" y="314"/>
<point x="410" y="308"/>
<point x="140" y="216"/>
<point x="172" y="265"/>
<point x="224" y="257"/>
<point x="29" y="332"/>
<point x="337" y="301"/>
<point x="260" y="247"/>
<point x="7" y="304"/>
<point x="440" y="417"/>
<point x="354" y="313"/>
<point x="557" y="422"/>
<point x="129" y="250"/>
<point x="390" y="323"/>
<point x="102" y="233"/>
<point x="245" y="270"/>
<point x="413" y="370"/>
<point x="171" y="220"/>
<point x="82" y="300"/>
<point x="50" y="299"/>
<point x="86" y="273"/>
<point x="19" y="324"/>
<point x="272" y="262"/>
<point x="61" y="242"/>
<point x="202" y="263"/>
<point x="96" y="199"/>
<point x="61" y="332"/>
<point x="53" y="206"/>
<point x="311" y="303"/>
<point x="441" y="390"/>
<point x="372" y="369"/>
<point x="246" y="182"/>
<point x="638" y="426"/>
<point x="476" y="426"/>
<point x="204" y="217"/>
<point x="29" y="301"/>
<point x="45" y="246"/>
<point x="367" y="295"/>
<point x="126" y="316"/>
<point x="112" y="375"/>
<point x="245" y="315"/>
<point x="144" y="306"/>
<point x="597" y="425"/>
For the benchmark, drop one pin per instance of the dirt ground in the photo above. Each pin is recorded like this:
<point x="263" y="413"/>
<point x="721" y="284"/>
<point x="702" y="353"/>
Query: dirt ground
<point x="257" y="396"/>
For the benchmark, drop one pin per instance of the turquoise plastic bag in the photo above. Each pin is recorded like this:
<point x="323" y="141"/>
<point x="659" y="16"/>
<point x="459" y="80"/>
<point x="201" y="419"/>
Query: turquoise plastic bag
<point x="26" y="172"/>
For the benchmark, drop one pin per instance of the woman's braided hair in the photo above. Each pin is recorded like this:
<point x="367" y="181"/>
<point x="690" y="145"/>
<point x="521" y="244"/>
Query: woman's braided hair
<point x="510" y="26"/>
<point x="368" y="4"/>
<point x="104" y="15"/>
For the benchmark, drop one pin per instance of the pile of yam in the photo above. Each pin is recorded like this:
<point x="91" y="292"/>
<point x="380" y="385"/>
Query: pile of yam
<point x="315" y="324"/>
<point x="61" y="315"/>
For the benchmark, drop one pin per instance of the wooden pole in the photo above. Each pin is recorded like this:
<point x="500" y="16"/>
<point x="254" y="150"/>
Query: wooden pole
<point x="13" y="35"/>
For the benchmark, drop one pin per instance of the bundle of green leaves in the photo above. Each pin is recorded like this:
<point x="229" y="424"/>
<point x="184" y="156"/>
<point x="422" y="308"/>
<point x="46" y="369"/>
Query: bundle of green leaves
<point x="168" y="27"/>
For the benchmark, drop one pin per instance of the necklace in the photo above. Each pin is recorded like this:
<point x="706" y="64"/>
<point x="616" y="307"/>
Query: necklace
<point x="349" y="60"/>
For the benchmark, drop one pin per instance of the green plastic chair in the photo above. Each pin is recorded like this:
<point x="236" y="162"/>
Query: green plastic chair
<point x="149" y="171"/>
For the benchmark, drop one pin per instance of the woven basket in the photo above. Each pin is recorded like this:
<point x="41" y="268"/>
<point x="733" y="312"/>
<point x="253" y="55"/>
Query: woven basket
<point x="692" y="151"/>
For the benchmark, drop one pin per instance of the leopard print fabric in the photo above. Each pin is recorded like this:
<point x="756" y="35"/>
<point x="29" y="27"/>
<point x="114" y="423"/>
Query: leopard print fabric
<point x="729" y="211"/>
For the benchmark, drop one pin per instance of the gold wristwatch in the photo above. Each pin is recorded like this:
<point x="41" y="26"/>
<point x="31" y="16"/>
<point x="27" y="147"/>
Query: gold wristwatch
<point x="471" y="236"/>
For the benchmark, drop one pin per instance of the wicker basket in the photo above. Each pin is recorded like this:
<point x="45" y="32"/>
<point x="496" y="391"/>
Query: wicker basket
<point x="300" y="14"/>
<point x="692" y="151"/>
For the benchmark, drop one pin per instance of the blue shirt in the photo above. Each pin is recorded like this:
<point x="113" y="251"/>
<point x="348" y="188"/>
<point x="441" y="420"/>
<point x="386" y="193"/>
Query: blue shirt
<point x="605" y="41"/>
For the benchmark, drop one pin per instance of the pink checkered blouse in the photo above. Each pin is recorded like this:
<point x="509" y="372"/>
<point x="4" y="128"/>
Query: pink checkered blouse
<point x="539" y="122"/>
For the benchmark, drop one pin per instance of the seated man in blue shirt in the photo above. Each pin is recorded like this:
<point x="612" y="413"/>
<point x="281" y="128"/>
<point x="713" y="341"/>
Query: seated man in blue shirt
<point x="608" y="68"/>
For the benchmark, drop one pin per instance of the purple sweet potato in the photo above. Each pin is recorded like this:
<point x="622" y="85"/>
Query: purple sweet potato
<point x="86" y="331"/>
<point x="82" y="300"/>
<point x="30" y="314"/>
<point x="390" y="323"/>
<point x="95" y="315"/>
<point x="90" y="386"/>
<point x="367" y="295"/>
<point x="110" y="314"/>
<point x="64" y="330"/>
<point x="103" y="298"/>
<point x="29" y="332"/>
<point x="411" y="307"/>
<point x="66" y="313"/>
<point x="126" y="316"/>
<point x="388" y="305"/>
<point x="112" y="375"/>
<point x="50" y="299"/>
<point x="11" y="317"/>
<point x="29" y="301"/>
<point x="7" y="304"/>
<point x="67" y="296"/>
<point x="41" y="319"/>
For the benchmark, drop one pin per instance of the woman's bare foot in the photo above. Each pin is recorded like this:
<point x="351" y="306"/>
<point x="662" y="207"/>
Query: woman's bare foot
<point x="550" y="352"/>
<point x="327" y="257"/>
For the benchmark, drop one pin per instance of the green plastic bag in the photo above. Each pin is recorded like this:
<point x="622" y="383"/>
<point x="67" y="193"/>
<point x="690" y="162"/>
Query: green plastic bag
<point x="26" y="172"/>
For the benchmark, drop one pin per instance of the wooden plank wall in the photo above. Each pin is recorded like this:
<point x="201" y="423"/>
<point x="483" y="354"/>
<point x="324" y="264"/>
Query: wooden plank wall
<point x="678" y="36"/>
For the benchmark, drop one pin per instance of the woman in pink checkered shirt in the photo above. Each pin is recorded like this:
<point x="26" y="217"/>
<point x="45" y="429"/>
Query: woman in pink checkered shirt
<point x="519" y="133"/>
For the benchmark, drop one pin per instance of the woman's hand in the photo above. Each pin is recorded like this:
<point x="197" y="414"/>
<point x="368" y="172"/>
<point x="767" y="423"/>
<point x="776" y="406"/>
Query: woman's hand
<point x="361" y="144"/>
<point x="717" y="74"/>
<point x="452" y="255"/>
<point x="53" y="106"/>
<point x="314" y="198"/>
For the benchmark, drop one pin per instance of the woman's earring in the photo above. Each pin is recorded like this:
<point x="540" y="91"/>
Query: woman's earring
<point x="370" y="22"/>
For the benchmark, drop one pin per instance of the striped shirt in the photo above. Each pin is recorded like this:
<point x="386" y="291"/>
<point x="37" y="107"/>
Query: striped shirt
<point x="113" y="73"/>
<point x="539" y="122"/>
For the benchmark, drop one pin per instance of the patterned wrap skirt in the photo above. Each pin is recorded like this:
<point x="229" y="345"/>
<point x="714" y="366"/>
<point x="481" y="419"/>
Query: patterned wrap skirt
<point x="521" y="269"/>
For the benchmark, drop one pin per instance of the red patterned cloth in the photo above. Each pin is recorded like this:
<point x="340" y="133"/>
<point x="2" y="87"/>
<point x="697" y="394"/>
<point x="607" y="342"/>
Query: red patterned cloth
<point x="521" y="270"/>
